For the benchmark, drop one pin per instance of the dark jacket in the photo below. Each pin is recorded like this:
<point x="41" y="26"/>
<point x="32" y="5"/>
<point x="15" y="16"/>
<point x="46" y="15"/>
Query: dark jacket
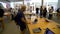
<point x="44" y="12"/>
<point x="1" y="12"/>
<point x="37" y="10"/>
<point x="18" y="18"/>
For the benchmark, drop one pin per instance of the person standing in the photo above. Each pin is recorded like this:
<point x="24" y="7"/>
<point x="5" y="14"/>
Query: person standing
<point x="20" y="19"/>
<point x="37" y="11"/>
<point x="12" y="13"/>
<point x="51" y="13"/>
<point x="41" y="11"/>
<point x="44" y="12"/>
<point x="1" y="17"/>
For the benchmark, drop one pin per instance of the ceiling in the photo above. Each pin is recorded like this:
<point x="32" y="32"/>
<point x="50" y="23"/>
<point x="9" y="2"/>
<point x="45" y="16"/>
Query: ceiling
<point x="10" y="0"/>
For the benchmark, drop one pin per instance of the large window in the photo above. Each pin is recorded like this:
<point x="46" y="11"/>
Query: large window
<point x="14" y="4"/>
<point x="51" y="3"/>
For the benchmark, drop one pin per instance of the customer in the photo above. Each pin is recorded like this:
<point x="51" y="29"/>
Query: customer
<point x="44" y="12"/>
<point x="58" y="13"/>
<point x="37" y="11"/>
<point x="12" y="13"/>
<point x="1" y="17"/>
<point x="41" y="11"/>
<point x="50" y="13"/>
<point x="20" y="19"/>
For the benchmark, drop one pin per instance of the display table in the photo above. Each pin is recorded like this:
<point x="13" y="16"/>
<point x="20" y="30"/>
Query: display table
<point x="29" y="13"/>
<point x="41" y="23"/>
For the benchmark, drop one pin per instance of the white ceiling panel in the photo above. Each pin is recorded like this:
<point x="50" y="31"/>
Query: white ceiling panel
<point x="10" y="0"/>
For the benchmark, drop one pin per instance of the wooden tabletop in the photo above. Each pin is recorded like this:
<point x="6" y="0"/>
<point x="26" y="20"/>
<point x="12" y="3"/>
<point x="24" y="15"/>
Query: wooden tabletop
<point x="41" y="23"/>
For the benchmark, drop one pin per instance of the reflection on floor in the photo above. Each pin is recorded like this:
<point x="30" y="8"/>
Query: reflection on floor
<point x="10" y="28"/>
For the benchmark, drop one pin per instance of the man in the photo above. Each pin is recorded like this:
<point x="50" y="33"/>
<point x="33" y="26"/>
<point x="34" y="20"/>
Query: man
<point x="37" y="11"/>
<point x="44" y="12"/>
<point x="1" y="17"/>
<point x="41" y="11"/>
<point x="20" y="19"/>
<point x="51" y="13"/>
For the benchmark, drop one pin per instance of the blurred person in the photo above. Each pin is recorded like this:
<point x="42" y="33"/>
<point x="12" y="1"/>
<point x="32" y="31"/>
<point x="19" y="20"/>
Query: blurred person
<point x="58" y="10"/>
<point x="52" y="8"/>
<point x="50" y="13"/>
<point x="12" y="13"/>
<point x="44" y="12"/>
<point x="1" y="17"/>
<point x="58" y="13"/>
<point x="41" y="11"/>
<point x="20" y="19"/>
<point x="37" y="11"/>
<point x="48" y="7"/>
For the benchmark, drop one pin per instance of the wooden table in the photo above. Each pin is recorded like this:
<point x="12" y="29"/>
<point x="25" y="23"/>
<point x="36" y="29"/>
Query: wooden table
<point x="41" y="23"/>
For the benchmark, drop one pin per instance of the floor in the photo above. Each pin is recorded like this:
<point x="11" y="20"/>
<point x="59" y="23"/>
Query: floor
<point x="11" y="28"/>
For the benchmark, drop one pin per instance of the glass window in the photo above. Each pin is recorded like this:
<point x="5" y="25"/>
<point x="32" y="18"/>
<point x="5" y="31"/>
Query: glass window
<point x="51" y="3"/>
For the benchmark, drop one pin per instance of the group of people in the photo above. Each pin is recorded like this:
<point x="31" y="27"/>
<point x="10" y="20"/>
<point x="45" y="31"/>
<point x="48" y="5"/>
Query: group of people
<point x="43" y="11"/>
<point x="19" y="18"/>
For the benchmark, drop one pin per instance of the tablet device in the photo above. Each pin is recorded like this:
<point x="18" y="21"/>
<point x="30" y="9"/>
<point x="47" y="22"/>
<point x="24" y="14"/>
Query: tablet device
<point x="36" y="30"/>
<point x="48" y="31"/>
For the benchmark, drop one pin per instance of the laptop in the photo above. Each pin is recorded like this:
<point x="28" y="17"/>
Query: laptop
<point x="48" y="31"/>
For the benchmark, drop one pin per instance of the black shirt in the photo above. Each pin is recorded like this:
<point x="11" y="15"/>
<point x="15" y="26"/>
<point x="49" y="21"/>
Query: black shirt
<point x="1" y="12"/>
<point x="18" y="18"/>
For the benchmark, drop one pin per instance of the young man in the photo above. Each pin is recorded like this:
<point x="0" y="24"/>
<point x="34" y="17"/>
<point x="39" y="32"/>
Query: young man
<point x="20" y="19"/>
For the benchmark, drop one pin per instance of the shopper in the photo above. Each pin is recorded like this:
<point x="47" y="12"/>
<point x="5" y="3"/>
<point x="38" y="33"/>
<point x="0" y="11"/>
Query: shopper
<point x="41" y="11"/>
<point x="51" y="13"/>
<point x="37" y="11"/>
<point x="12" y="13"/>
<point x="20" y="19"/>
<point x="58" y="13"/>
<point x="44" y="12"/>
<point x="1" y="17"/>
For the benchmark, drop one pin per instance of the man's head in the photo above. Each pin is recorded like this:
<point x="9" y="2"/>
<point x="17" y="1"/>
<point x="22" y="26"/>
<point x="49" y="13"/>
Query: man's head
<point x="23" y="8"/>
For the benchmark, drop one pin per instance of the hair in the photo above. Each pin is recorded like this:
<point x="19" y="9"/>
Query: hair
<point x="23" y="8"/>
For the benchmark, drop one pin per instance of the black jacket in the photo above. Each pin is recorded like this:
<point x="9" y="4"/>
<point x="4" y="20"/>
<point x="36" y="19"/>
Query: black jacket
<point x="1" y="12"/>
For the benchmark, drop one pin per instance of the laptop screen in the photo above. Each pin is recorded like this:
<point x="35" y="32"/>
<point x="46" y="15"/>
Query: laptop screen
<point x="48" y="31"/>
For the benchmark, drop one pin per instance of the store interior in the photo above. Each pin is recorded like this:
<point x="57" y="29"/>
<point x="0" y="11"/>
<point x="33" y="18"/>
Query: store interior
<point x="37" y="24"/>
